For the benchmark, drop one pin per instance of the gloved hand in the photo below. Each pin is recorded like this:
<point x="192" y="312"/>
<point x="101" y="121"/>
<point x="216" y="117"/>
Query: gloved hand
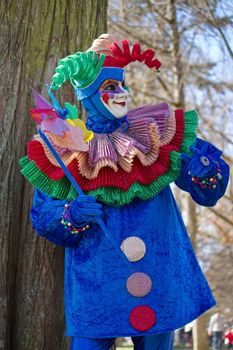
<point x="204" y="160"/>
<point x="84" y="210"/>
<point x="204" y="174"/>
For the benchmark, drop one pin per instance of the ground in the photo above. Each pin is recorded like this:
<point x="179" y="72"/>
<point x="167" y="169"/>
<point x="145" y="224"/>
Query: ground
<point x="131" y="348"/>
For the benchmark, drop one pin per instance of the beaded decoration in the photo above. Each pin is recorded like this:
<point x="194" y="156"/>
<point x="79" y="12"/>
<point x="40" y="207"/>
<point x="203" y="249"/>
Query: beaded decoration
<point x="208" y="182"/>
<point x="68" y="224"/>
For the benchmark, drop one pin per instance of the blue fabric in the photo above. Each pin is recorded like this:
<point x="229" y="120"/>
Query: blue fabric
<point x="91" y="344"/>
<point x="97" y="303"/>
<point x="153" y="342"/>
<point x="192" y="166"/>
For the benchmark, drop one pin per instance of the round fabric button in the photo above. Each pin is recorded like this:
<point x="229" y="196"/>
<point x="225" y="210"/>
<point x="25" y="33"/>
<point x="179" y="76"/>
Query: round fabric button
<point x="142" y="318"/>
<point x="139" y="284"/>
<point x="134" y="248"/>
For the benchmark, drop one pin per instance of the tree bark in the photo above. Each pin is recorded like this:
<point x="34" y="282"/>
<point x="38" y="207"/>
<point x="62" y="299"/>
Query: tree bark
<point x="179" y="95"/>
<point x="34" y="35"/>
<point x="200" y="337"/>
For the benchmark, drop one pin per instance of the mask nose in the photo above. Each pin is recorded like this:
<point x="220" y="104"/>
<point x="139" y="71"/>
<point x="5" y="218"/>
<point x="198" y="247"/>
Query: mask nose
<point x="120" y="89"/>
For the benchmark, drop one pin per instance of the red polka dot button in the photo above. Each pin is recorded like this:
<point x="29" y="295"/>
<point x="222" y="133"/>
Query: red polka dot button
<point x="142" y="318"/>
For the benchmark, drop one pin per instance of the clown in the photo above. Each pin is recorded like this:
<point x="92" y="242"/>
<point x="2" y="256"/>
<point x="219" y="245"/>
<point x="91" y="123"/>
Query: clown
<point x="142" y="279"/>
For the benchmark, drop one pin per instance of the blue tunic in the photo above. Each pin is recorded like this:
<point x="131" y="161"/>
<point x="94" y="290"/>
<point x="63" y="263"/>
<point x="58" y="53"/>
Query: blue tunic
<point x="97" y="298"/>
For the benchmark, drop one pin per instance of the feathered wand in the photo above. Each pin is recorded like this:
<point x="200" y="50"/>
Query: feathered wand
<point x="51" y="117"/>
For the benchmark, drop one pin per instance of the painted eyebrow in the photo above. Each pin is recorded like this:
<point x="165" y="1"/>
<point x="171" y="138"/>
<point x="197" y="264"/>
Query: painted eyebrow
<point x="108" y="81"/>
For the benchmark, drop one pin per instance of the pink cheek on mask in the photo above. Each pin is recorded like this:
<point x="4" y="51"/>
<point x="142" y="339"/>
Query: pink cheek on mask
<point x="106" y="96"/>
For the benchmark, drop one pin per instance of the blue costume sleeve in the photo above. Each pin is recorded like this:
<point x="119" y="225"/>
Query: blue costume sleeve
<point x="46" y="214"/>
<point x="205" y="174"/>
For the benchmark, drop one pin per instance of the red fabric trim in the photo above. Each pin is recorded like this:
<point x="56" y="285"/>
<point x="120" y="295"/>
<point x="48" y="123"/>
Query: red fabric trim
<point x="107" y="176"/>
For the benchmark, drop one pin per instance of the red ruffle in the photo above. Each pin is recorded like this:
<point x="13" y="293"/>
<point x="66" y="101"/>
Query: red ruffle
<point x="107" y="176"/>
<point x="122" y="56"/>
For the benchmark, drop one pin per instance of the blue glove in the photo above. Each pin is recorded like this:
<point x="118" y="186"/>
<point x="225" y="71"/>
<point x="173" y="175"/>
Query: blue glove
<point x="204" y="174"/>
<point x="84" y="210"/>
<point x="204" y="161"/>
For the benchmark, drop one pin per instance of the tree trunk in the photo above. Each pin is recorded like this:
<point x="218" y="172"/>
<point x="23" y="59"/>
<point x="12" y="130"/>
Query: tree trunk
<point x="200" y="338"/>
<point x="34" y="35"/>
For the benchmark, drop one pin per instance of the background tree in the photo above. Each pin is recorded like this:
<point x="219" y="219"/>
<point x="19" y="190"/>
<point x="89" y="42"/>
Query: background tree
<point x="34" y="35"/>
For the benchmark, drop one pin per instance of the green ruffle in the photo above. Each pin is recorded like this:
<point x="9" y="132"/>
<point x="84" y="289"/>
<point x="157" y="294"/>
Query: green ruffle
<point x="62" y="189"/>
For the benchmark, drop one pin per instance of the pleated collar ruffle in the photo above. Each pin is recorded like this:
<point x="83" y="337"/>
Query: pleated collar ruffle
<point x="120" y="166"/>
<point x="150" y="127"/>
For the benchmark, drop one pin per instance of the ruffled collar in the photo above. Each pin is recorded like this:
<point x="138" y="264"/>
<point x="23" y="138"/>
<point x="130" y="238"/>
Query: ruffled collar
<point x="116" y="167"/>
<point x="150" y="127"/>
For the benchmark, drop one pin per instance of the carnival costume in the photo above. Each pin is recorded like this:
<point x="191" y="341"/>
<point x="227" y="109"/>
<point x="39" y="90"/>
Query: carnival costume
<point x="142" y="278"/>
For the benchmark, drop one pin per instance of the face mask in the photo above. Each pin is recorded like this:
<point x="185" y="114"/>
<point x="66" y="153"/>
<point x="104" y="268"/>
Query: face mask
<point x="114" y="96"/>
<point x="105" y="101"/>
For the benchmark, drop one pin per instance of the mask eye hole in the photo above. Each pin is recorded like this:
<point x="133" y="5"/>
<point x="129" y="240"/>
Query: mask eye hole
<point x="110" y="87"/>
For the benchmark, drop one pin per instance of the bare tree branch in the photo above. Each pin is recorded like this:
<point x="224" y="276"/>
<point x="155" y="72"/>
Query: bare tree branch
<point x="221" y="216"/>
<point x="219" y="29"/>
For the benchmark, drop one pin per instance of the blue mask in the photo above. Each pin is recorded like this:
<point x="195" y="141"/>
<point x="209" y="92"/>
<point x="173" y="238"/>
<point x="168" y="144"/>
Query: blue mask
<point x="99" y="118"/>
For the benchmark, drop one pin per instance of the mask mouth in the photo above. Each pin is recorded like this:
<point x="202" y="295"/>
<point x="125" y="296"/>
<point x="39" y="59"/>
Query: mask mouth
<point x="118" y="105"/>
<point x="123" y="103"/>
<point x="120" y="99"/>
